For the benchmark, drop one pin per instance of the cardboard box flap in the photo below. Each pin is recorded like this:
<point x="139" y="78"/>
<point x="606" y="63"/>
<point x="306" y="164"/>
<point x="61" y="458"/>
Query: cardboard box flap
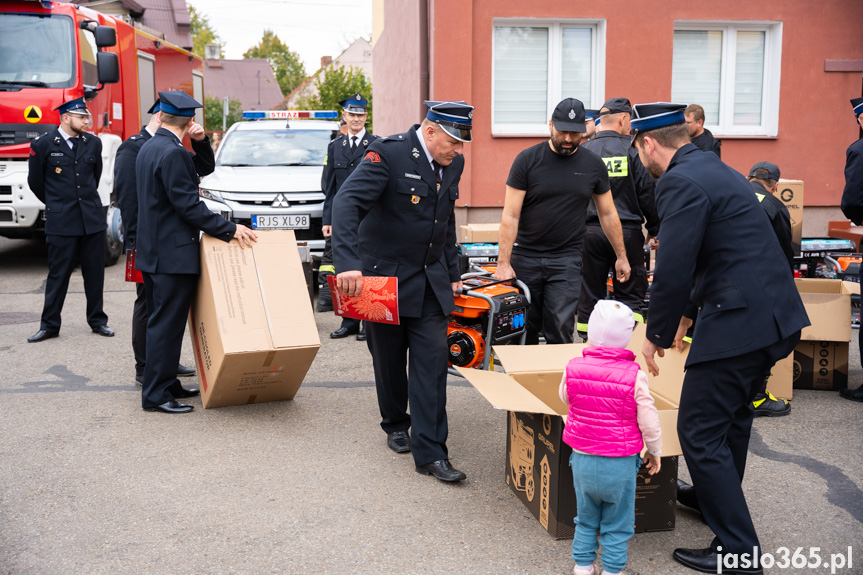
<point x="505" y="393"/>
<point x="289" y="315"/>
<point x="537" y="358"/>
<point x="812" y="286"/>
<point x="669" y="382"/>
<point x="828" y="305"/>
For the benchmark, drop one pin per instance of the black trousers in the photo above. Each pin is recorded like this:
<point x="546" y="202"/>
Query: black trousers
<point x="169" y="297"/>
<point x="64" y="252"/>
<point x="418" y="344"/>
<point x="554" y="284"/>
<point x="714" y="425"/>
<point x="326" y="268"/>
<point x="598" y="258"/>
<point x="139" y="328"/>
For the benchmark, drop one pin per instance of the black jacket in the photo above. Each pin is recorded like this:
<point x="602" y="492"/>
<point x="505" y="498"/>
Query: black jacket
<point x="68" y="183"/>
<point x="852" y="197"/>
<point x="707" y="143"/>
<point x="716" y="249"/>
<point x="170" y="212"/>
<point x="341" y="163"/>
<point x="392" y="221"/>
<point x="125" y="183"/>
<point x="780" y="219"/>
<point x="632" y="186"/>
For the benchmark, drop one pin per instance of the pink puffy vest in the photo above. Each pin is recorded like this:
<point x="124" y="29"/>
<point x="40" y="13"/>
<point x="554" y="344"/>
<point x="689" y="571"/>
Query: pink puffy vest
<point x="603" y="414"/>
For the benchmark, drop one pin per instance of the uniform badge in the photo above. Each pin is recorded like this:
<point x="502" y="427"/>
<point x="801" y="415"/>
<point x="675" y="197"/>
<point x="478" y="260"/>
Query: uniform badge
<point x="415" y="153"/>
<point x="415" y="199"/>
<point x="571" y="114"/>
<point x="58" y="170"/>
<point x="373" y="157"/>
<point x="365" y="142"/>
<point x="344" y="143"/>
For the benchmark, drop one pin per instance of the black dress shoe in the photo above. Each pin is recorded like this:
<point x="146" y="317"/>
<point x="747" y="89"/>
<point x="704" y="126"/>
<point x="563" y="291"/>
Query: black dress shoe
<point x="399" y="441"/>
<point x="343" y="332"/>
<point x="186" y="393"/>
<point x="172" y="406"/>
<point x="853" y="395"/>
<point x="42" y="335"/>
<point x="362" y="335"/>
<point x="686" y="495"/>
<point x="707" y="561"/>
<point x="183" y="371"/>
<point x="442" y="470"/>
<point x="104" y="330"/>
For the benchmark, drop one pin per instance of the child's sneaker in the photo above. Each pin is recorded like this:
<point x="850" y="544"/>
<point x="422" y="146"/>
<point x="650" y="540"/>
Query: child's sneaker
<point x="588" y="570"/>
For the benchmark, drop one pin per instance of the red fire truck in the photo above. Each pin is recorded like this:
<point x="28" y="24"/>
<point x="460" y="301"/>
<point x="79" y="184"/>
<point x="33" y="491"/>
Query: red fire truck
<point x="53" y="52"/>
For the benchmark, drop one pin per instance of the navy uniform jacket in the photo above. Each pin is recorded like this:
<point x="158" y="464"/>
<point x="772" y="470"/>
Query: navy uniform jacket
<point x="124" y="178"/>
<point x="852" y="197"/>
<point x="780" y="219"/>
<point x="632" y="186"/>
<point x="170" y="213"/>
<point x="391" y="221"/>
<point x="67" y="183"/>
<point x="340" y="163"/>
<point x="716" y="249"/>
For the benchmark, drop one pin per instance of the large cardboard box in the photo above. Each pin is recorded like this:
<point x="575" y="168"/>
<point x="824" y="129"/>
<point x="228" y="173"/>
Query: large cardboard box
<point x="781" y="382"/>
<point x="478" y="233"/>
<point x="791" y="194"/>
<point x="821" y="365"/>
<point x="537" y="469"/>
<point x="251" y="323"/>
<point x="828" y="304"/>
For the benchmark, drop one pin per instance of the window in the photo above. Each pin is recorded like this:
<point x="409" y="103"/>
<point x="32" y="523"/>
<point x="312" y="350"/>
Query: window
<point x="732" y="71"/>
<point x="536" y="64"/>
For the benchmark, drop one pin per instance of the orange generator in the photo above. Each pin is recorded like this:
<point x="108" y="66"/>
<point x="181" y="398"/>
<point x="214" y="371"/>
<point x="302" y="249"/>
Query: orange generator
<point x="488" y="312"/>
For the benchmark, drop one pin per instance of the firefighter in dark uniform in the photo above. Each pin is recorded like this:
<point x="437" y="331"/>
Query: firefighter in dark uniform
<point x="170" y="217"/>
<point x="125" y="185"/>
<point x="632" y="190"/>
<point x="65" y="166"/>
<point x="852" y="207"/>
<point x="343" y="156"/>
<point x="717" y="253"/>
<point x="395" y="217"/>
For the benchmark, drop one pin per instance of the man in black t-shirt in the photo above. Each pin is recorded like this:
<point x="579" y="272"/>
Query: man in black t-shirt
<point x="699" y="135"/>
<point x="549" y="188"/>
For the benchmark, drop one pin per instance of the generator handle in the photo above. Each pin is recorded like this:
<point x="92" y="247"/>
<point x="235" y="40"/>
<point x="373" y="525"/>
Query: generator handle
<point x="491" y="283"/>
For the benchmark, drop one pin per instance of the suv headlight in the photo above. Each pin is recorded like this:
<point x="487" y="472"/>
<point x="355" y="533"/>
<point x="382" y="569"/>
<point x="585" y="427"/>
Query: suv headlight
<point x="211" y="195"/>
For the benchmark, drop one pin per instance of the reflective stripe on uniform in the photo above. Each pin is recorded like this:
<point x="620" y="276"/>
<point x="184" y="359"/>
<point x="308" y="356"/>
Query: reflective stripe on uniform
<point x="638" y="317"/>
<point x="327" y="269"/>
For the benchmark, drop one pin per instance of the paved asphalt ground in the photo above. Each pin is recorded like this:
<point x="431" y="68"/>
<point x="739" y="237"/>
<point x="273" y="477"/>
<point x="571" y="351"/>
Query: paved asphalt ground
<point x="91" y="484"/>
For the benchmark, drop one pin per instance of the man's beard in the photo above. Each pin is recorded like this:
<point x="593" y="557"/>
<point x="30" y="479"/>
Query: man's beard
<point x="653" y="167"/>
<point x="558" y="147"/>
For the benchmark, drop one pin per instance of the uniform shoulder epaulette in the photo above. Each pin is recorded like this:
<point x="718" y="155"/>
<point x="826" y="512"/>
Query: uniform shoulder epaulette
<point x="135" y="137"/>
<point x="37" y="137"/>
<point x="393" y="138"/>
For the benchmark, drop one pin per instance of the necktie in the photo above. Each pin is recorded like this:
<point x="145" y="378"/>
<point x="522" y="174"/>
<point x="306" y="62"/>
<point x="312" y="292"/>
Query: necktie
<point x="353" y="142"/>
<point x="436" y="168"/>
<point x="74" y="144"/>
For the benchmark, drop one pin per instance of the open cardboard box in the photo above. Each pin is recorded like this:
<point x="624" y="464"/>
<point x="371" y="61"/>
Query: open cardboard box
<point x="537" y="458"/>
<point x="821" y="357"/>
<point x="251" y="323"/>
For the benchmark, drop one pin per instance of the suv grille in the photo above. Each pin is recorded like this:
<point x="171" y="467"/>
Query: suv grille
<point x="11" y="134"/>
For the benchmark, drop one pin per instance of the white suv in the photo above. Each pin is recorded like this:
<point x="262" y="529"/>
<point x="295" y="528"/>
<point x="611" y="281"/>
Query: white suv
<point x="268" y="175"/>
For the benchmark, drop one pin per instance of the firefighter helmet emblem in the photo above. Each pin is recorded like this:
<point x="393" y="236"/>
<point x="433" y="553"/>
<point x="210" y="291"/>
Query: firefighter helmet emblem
<point x="571" y="114"/>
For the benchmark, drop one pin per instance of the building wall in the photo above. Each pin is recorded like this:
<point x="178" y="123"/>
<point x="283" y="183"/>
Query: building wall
<point x="815" y="120"/>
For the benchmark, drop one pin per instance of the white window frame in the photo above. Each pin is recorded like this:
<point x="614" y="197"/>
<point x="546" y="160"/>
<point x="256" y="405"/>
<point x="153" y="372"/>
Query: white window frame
<point x="725" y="127"/>
<point x="555" y="82"/>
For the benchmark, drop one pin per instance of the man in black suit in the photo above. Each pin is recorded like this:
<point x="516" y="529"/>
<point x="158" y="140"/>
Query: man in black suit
<point x="65" y="166"/>
<point x="717" y="252"/>
<point x="343" y="156"/>
<point x="125" y="185"/>
<point x="852" y="207"/>
<point x="170" y="218"/>
<point x="395" y="217"/>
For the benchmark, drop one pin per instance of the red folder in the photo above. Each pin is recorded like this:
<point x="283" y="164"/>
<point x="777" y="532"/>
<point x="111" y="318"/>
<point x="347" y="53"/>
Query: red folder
<point x="132" y="274"/>
<point x="378" y="301"/>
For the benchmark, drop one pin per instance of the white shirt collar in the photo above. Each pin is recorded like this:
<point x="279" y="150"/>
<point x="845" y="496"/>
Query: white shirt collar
<point x="147" y="128"/>
<point x="423" y="144"/>
<point x="64" y="134"/>
<point x="359" y="135"/>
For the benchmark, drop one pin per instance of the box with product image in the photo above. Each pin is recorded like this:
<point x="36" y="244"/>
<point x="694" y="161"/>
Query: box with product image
<point x="478" y="233"/>
<point x="791" y="194"/>
<point x="821" y="365"/>
<point x="537" y="463"/>
<point x="821" y="357"/>
<point x="251" y="323"/>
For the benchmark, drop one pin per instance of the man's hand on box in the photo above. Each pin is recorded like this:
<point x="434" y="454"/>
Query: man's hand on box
<point x="245" y="236"/>
<point x="350" y="283"/>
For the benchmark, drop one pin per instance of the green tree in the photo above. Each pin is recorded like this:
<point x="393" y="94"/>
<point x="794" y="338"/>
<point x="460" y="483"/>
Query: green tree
<point x="203" y="34"/>
<point x="214" y="110"/>
<point x="335" y="84"/>
<point x="286" y="64"/>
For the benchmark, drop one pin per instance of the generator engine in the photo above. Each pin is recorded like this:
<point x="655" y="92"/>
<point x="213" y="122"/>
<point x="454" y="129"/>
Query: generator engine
<point x="488" y="312"/>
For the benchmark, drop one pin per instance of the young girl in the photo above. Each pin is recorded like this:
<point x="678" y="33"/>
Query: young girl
<point x="610" y="411"/>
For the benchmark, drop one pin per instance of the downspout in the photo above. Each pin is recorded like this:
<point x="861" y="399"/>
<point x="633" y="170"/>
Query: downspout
<point x="424" y="9"/>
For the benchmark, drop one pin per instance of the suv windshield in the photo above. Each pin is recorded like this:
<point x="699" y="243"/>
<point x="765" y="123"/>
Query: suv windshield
<point x="37" y="51"/>
<point x="275" y="148"/>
